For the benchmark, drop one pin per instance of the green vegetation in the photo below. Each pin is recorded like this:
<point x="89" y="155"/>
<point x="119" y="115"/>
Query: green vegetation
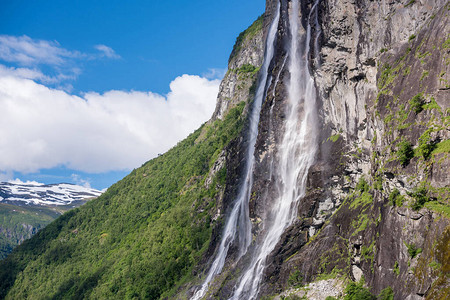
<point x="420" y="195"/>
<point x="417" y="103"/>
<point x="386" y="294"/>
<point x="404" y="152"/>
<point x="396" y="199"/>
<point x="426" y="145"/>
<point x="435" y="265"/>
<point x="362" y="185"/>
<point x="424" y="74"/>
<point x="413" y="251"/>
<point x="411" y="2"/>
<point x="446" y="44"/>
<point x="412" y="36"/>
<point x="248" y="68"/>
<point x="443" y="209"/>
<point x="334" y="138"/>
<point x="363" y="199"/>
<point x="442" y="147"/>
<point x="378" y="182"/>
<point x="248" y="33"/>
<point x="295" y="279"/>
<point x="396" y="269"/>
<point x="356" y="291"/>
<point x="19" y="223"/>
<point x="139" y="240"/>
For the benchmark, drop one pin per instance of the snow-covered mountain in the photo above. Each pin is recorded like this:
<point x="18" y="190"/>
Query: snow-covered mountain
<point x="45" y="195"/>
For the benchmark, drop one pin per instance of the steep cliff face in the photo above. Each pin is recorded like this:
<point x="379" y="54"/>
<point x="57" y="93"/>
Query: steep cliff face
<point x="382" y="82"/>
<point x="372" y="208"/>
<point x="378" y="194"/>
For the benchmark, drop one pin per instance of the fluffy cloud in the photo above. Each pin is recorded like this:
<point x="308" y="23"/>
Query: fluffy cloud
<point x="31" y="54"/>
<point x="118" y="130"/>
<point x="27" y="51"/>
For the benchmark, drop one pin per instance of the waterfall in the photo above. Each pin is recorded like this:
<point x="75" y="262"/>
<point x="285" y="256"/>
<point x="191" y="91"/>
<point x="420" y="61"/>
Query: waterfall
<point x="295" y="156"/>
<point x="238" y="224"/>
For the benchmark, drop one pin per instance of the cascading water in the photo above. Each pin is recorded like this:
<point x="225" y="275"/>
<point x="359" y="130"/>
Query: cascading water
<point x="295" y="157"/>
<point x="238" y="224"/>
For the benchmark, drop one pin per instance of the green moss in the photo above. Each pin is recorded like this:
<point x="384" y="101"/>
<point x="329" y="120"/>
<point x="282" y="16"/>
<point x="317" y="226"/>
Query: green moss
<point x="446" y="44"/>
<point x="441" y="147"/>
<point x="435" y="265"/>
<point x="438" y="207"/>
<point x="334" y="138"/>
<point x="412" y="36"/>
<point x="336" y="272"/>
<point x="247" y="69"/>
<point x="432" y="105"/>
<point x="364" y="198"/>
<point x="424" y="74"/>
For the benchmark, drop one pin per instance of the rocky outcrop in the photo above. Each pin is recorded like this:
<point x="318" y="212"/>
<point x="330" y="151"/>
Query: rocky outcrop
<point x="245" y="61"/>
<point x="375" y="57"/>
<point x="382" y="76"/>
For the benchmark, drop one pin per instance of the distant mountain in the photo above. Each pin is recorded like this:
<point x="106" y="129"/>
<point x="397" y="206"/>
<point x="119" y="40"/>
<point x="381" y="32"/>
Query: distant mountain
<point x="62" y="194"/>
<point x="27" y="207"/>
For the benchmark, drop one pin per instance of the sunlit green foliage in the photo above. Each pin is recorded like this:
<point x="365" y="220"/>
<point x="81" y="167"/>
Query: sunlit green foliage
<point x="139" y="239"/>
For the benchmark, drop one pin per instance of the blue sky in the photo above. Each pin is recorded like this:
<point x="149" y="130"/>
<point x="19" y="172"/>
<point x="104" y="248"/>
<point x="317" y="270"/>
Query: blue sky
<point x="157" y="40"/>
<point x="92" y="89"/>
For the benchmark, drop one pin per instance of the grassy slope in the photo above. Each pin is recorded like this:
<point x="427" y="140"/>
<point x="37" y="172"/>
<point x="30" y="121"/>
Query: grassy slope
<point x="139" y="239"/>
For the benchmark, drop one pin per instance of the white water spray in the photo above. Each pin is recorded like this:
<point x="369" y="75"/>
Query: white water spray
<point x="296" y="155"/>
<point x="238" y="224"/>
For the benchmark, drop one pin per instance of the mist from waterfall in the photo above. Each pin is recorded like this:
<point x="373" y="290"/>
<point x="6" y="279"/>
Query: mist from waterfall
<point x="295" y="156"/>
<point x="238" y="224"/>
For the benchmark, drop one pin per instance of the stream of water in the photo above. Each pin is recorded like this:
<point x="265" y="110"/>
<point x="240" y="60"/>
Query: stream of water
<point x="238" y="224"/>
<point x="295" y="156"/>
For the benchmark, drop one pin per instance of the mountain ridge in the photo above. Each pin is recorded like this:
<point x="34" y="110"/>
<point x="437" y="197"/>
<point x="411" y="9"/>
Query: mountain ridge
<point x="375" y="214"/>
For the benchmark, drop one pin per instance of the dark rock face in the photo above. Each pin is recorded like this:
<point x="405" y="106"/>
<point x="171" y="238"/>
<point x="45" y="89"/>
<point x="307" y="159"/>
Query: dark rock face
<point x="374" y="58"/>
<point x="371" y="69"/>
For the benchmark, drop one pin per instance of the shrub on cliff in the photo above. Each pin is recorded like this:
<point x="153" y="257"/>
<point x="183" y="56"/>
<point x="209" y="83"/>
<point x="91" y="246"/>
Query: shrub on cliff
<point x="404" y="152"/>
<point x="417" y="103"/>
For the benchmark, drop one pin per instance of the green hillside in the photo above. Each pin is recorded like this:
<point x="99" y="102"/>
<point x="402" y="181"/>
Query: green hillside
<point x="18" y="223"/>
<point x="137" y="240"/>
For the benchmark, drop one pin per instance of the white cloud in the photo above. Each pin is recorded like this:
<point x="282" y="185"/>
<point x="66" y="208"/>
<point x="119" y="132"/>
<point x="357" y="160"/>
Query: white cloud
<point x="80" y="181"/>
<point x="27" y="51"/>
<point x="37" y="75"/>
<point x="32" y="54"/>
<point x="215" y="73"/>
<point x="6" y="175"/>
<point x="107" y="51"/>
<point x="118" y="130"/>
<point x="28" y="182"/>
